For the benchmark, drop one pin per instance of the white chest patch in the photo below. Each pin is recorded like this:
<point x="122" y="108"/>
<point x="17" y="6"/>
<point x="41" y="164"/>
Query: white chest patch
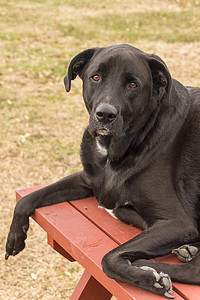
<point x="102" y="150"/>
<point x="110" y="211"/>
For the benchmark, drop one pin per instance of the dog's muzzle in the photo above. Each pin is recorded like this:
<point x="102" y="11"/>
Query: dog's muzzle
<point x="106" y="113"/>
<point x="106" y="120"/>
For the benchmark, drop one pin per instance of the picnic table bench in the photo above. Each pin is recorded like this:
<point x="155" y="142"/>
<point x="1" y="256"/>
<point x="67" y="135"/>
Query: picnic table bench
<point x="82" y="232"/>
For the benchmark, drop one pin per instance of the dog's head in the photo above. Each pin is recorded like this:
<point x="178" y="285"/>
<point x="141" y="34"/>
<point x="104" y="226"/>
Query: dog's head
<point x="122" y="86"/>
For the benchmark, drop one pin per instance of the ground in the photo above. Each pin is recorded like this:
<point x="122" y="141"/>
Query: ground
<point x="41" y="126"/>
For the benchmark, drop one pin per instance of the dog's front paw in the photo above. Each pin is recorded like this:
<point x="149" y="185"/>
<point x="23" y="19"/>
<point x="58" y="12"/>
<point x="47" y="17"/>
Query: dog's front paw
<point x="161" y="283"/>
<point x="185" y="253"/>
<point x="16" y="237"/>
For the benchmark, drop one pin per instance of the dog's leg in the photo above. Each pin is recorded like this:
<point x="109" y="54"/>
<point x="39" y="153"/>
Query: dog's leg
<point x="187" y="252"/>
<point x="128" y="215"/>
<point x="73" y="187"/>
<point x="128" y="262"/>
<point x="188" y="273"/>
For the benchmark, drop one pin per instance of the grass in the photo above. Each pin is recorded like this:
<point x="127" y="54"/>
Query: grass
<point x="168" y="27"/>
<point x="41" y="126"/>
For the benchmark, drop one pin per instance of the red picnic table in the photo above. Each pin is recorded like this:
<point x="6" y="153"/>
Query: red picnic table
<point x="82" y="232"/>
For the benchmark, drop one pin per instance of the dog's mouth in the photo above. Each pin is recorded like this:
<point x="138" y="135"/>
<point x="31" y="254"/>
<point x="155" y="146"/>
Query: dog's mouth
<point x="104" y="132"/>
<point x="115" y="132"/>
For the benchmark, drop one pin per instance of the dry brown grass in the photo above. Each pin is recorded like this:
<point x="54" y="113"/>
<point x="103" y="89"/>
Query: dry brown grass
<point x="41" y="126"/>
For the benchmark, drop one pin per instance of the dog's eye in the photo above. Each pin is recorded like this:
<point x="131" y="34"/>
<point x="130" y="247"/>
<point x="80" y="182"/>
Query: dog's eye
<point x="132" y="85"/>
<point x="96" y="77"/>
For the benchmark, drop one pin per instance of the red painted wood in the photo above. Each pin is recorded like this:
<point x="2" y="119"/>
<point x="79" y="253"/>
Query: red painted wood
<point x="86" y="243"/>
<point x="89" y="288"/>
<point x="83" y="241"/>
<point x="188" y="292"/>
<point x="100" y="217"/>
<point x="116" y="229"/>
<point x="58" y="248"/>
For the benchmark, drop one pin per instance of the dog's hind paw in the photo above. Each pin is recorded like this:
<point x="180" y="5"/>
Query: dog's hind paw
<point x="162" y="284"/>
<point x="186" y="253"/>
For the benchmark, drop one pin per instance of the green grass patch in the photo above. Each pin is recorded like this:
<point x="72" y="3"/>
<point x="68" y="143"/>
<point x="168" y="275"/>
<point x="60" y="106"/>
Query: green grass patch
<point x="181" y="26"/>
<point x="10" y="36"/>
<point x="173" y="26"/>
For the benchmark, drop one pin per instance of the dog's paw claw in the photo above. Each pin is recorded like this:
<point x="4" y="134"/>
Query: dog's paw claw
<point x="185" y="253"/>
<point x="166" y="294"/>
<point x="166" y="281"/>
<point x="158" y="286"/>
<point x="166" y="284"/>
<point x="162" y="282"/>
<point x="6" y="256"/>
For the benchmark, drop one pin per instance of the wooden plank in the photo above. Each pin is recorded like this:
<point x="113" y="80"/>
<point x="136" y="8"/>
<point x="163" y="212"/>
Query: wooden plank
<point x="101" y="218"/>
<point x="87" y="250"/>
<point x="89" y="288"/>
<point x="58" y="248"/>
<point x="124" y="233"/>
<point x="87" y="244"/>
<point x="188" y="292"/>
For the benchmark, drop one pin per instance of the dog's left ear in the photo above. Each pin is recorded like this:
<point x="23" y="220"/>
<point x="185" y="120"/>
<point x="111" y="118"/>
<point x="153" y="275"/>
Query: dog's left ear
<point x="160" y="75"/>
<point x="76" y="66"/>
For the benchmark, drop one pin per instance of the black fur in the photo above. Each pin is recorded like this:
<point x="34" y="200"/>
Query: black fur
<point x="141" y="158"/>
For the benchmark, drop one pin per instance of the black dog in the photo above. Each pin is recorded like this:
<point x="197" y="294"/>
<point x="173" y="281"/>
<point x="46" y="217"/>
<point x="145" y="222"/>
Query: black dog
<point x="141" y="158"/>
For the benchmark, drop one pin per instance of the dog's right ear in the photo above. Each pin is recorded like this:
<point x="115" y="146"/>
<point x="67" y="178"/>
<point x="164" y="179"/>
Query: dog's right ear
<point x="76" y="66"/>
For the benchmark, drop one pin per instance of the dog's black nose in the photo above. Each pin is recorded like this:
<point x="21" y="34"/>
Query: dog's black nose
<point x="106" y="113"/>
